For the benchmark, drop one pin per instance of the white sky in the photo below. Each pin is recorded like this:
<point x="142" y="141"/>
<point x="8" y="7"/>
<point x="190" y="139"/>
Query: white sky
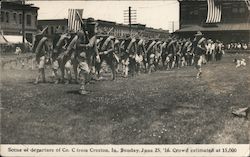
<point x="157" y="14"/>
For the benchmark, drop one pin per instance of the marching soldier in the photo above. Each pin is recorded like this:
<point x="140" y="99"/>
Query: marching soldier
<point x="157" y="53"/>
<point x="199" y="48"/>
<point x="150" y="54"/>
<point x="106" y="52"/>
<point x="132" y="51"/>
<point x="164" y="52"/>
<point x="40" y="48"/>
<point x="59" y="47"/>
<point x="141" y="52"/>
<point x="86" y="53"/>
<point x="171" y="49"/>
<point x="128" y="58"/>
<point x="67" y="59"/>
<point x="178" y="53"/>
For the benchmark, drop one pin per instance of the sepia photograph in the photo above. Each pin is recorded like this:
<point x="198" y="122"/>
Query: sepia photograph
<point x="126" y="72"/>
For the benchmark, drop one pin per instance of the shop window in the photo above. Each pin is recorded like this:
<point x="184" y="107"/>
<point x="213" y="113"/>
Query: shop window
<point x="235" y="10"/>
<point x="2" y="16"/>
<point x="14" y="17"/>
<point x="20" y="18"/>
<point x="7" y="17"/>
<point x="28" y="22"/>
<point x="242" y="10"/>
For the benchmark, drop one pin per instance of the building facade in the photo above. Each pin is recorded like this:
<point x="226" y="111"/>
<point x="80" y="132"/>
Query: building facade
<point x="16" y="17"/>
<point x="229" y="19"/>
<point x="105" y="27"/>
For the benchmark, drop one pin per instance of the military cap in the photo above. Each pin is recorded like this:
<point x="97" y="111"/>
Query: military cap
<point x="198" y="34"/>
<point x="91" y="21"/>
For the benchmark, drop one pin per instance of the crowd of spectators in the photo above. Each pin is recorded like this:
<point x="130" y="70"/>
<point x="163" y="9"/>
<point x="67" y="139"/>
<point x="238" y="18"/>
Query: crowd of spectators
<point x="238" y="46"/>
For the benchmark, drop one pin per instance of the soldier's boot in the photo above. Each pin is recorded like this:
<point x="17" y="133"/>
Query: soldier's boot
<point x="82" y="90"/>
<point x="199" y="74"/>
<point x="56" y="78"/>
<point x="43" y="76"/>
<point x="126" y="71"/>
<point x="38" y="76"/>
<point x="68" y="72"/>
<point x="149" y="69"/>
<point x="37" y="80"/>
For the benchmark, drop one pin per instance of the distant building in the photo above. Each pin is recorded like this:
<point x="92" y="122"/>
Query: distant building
<point x="13" y="14"/>
<point x="112" y="28"/>
<point x="225" y="20"/>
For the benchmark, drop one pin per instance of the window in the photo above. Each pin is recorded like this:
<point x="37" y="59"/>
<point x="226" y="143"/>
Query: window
<point x="242" y="10"/>
<point x="35" y="20"/>
<point x="28" y="22"/>
<point x="235" y="10"/>
<point x="20" y="19"/>
<point x="7" y="17"/>
<point x="2" y="16"/>
<point x="14" y="17"/>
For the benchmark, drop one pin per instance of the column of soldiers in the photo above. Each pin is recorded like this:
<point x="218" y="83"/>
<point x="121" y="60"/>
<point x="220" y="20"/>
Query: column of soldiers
<point x="85" y="52"/>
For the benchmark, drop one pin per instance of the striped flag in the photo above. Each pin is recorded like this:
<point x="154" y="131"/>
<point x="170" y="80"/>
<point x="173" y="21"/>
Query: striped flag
<point x="248" y="4"/>
<point x="74" y="19"/>
<point x="213" y="12"/>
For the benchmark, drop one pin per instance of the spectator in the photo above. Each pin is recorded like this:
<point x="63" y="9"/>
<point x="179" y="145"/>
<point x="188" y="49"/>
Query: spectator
<point x="18" y="51"/>
<point x="244" y="46"/>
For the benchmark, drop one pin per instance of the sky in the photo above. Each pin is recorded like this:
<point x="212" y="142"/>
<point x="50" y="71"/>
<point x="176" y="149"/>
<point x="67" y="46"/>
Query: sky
<point x="157" y="14"/>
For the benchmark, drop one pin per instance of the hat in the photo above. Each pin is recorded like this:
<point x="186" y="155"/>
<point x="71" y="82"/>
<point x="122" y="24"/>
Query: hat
<point x="91" y="21"/>
<point x="198" y="33"/>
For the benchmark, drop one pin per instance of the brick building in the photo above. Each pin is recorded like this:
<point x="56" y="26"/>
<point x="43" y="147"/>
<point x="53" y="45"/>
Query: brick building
<point x="113" y="28"/>
<point x="16" y="17"/>
<point x="226" y="20"/>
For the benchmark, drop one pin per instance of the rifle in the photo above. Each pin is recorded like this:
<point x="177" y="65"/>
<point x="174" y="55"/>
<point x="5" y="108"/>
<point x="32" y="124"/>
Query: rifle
<point x="83" y="26"/>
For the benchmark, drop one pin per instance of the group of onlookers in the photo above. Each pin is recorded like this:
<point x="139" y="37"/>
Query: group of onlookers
<point x="238" y="46"/>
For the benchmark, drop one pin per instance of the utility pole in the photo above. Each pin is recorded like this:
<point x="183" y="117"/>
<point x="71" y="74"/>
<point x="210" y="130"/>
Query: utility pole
<point x="172" y="26"/>
<point x="23" y="22"/>
<point x="130" y="17"/>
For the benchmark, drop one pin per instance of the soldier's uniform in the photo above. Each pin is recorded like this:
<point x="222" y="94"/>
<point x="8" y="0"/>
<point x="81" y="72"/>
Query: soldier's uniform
<point x="106" y="52"/>
<point x="199" y="50"/>
<point x="86" y="54"/>
<point x="157" y="53"/>
<point x="67" y="58"/>
<point x="59" y="46"/>
<point x="164" y="51"/>
<point x="128" y="56"/>
<point x="150" y="55"/>
<point x="41" y="51"/>
<point x="178" y="53"/>
<point x="141" y="52"/>
<point x="171" y="49"/>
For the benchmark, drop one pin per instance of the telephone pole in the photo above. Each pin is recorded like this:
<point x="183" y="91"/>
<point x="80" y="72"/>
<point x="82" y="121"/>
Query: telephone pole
<point x="130" y="17"/>
<point x="23" y="22"/>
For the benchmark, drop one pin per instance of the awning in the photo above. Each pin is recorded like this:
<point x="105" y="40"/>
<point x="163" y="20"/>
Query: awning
<point x="14" y="39"/>
<point x="219" y="27"/>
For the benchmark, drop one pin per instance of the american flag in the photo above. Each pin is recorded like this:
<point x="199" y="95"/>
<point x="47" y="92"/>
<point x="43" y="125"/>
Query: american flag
<point x="213" y="12"/>
<point x="74" y="19"/>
